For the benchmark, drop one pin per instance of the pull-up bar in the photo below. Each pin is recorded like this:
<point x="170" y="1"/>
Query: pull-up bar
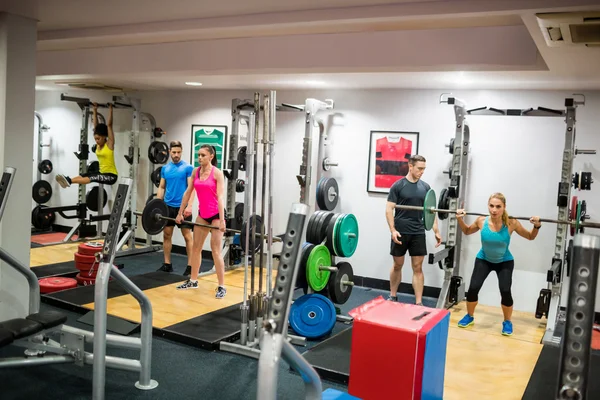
<point x="83" y="102"/>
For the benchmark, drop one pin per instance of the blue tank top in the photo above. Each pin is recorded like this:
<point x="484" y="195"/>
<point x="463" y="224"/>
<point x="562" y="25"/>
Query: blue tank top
<point x="494" y="245"/>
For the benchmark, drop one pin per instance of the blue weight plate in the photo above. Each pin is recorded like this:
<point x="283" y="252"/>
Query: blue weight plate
<point x="312" y="316"/>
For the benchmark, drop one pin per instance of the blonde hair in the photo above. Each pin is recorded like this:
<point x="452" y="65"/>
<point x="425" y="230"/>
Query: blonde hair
<point x="501" y="197"/>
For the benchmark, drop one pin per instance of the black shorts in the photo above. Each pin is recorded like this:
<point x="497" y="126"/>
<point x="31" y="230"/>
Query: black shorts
<point x="173" y="211"/>
<point x="211" y="219"/>
<point x="106" y="179"/>
<point x="415" y="244"/>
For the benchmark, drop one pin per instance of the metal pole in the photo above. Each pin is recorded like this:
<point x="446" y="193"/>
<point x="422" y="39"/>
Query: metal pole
<point x="271" y="150"/>
<point x="248" y="306"/>
<point x="574" y="364"/>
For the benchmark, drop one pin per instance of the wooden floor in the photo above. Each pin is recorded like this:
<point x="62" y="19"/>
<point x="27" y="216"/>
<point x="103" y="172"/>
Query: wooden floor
<point x="171" y="306"/>
<point x="483" y="364"/>
<point x="54" y="254"/>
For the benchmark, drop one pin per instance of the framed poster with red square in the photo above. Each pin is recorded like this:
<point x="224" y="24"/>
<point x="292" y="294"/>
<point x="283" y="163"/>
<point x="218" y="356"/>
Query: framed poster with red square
<point x="389" y="152"/>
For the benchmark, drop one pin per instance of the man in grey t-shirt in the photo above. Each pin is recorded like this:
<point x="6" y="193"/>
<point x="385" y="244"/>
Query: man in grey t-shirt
<point x="407" y="226"/>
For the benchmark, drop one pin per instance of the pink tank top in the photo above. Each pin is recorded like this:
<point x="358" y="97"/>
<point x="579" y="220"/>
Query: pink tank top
<point x="207" y="194"/>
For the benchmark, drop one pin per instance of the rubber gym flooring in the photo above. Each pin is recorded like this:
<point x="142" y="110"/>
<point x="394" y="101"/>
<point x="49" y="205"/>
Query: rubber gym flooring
<point x="481" y="363"/>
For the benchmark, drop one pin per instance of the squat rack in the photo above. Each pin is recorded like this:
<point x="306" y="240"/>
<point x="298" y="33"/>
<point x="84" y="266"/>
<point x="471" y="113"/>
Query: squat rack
<point x="460" y="151"/>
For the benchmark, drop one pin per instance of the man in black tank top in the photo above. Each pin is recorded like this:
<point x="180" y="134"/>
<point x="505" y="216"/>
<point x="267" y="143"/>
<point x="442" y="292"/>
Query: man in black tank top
<point x="407" y="227"/>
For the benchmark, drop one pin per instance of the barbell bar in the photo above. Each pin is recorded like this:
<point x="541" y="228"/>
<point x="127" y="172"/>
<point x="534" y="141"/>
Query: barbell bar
<point x="429" y="210"/>
<point x="162" y="217"/>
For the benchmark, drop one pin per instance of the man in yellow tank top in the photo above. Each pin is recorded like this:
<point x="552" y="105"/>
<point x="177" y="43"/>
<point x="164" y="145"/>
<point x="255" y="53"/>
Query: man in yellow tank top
<point x="105" y="147"/>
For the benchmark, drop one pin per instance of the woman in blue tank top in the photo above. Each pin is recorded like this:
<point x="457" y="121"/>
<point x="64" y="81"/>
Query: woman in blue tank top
<point x="494" y="255"/>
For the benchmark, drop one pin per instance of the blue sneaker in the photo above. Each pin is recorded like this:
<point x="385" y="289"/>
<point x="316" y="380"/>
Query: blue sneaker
<point x="467" y="320"/>
<point x="507" y="328"/>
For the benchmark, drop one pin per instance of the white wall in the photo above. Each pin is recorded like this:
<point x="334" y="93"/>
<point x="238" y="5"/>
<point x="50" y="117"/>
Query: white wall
<point x="520" y="157"/>
<point x="64" y="118"/>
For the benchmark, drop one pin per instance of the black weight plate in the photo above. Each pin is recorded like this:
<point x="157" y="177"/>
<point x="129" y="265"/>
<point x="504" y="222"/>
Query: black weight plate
<point x="40" y="219"/>
<point x="93" y="167"/>
<point x="240" y="185"/>
<point x="311" y="220"/>
<point x="155" y="176"/>
<point x="253" y="244"/>
<point x="451" y="146"/>
<point x="238" y="217"/>
<point x="45" y="167"/>
<point x="316" y="228"/>
<point x="319" y="194"/>
<point x="91" y="198"/>
<point x="158" y="152"/>
<point x="153" y="195"/>
<point x="41" y="192"/>
<point x="150" y="221"/>
<point x="322" y="227"/>
<point x="330" y="227"/>
<point x="241" y="157"/>
<point x="301" y="281"/>
<point x="338" y="292"/>
<point x="442" y="204"/>
<point x="329" y="193"/>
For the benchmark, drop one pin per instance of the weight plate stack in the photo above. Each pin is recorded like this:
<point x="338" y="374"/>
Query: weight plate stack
<point x="346" y="235"/>
<point x="338" y="288"/>
<point x="327" y="193"/>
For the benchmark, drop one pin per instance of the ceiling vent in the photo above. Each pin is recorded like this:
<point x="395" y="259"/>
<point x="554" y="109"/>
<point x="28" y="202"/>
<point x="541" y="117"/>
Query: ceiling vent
<point x="580" y="29"/>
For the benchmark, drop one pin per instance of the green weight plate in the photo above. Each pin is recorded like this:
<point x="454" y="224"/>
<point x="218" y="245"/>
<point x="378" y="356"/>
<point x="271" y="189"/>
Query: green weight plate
<point x="347" y="236"/>
<point x="430" y="202"/>
<point x="319" y="257"/>
<point x="336" y="235"/>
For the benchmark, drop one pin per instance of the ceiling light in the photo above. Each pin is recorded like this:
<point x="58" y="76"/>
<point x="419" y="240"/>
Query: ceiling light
<point x="193" y="83"/>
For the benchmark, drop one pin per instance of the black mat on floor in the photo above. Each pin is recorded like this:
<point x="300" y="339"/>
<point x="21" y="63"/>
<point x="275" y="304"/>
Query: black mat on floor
<point x="85" y="294"/>
<point x="544" y="379"/>
<point x="58" y="269"/>
<point x="331" y="358"/>
<point x="206" y="331"/>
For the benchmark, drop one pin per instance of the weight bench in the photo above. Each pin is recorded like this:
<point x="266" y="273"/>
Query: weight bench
<point x="35" y="331"/>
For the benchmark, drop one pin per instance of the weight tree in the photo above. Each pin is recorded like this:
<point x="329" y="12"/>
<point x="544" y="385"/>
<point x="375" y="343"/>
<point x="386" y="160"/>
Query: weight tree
<point x="245" y="158"/>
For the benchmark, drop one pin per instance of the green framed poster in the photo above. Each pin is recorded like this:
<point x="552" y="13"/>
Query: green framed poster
<point x="214" y="135"/>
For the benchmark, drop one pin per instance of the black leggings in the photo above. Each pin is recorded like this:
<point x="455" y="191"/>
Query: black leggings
<point x="106" y="179"/>
<point x="481" y="271"/>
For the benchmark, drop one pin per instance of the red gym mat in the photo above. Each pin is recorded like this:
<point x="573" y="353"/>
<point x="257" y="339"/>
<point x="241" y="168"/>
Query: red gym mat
<point x="46" y="238"/>
<point x="55" y="284"/>
<point x="596" y="338"/>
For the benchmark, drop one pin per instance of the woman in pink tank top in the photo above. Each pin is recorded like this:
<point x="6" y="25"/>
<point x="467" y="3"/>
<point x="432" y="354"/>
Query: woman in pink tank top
<point x="208" y="182"/>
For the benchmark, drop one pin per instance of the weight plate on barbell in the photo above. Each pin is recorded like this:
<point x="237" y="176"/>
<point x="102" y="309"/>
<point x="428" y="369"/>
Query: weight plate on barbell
<point x="319" y="257"/>
<point x="155" y="176"/>
<point x="241" y="158"/>
<point x="158" y="152"/>
<point x="428" y="216"/>
<point x="338" y="291"/>
<point x="91" y="198"/>
<point x="346" y="236"/>
<point x="312" y="316"/>
<point x="45" y="167"/>
<point x="150" y="223"/>
<point x="573" y="214"/>
<point x="253" y="244"/>
<point x="41" y="219"/>
<point x="327" y="193"/>
<point x="443" y="204"/>
<point x="41" y="192"/>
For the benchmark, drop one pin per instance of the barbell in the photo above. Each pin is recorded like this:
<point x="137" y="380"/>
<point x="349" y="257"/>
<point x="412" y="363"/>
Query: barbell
<point x="429" y="209"/>
<point x="154" y="221"/>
